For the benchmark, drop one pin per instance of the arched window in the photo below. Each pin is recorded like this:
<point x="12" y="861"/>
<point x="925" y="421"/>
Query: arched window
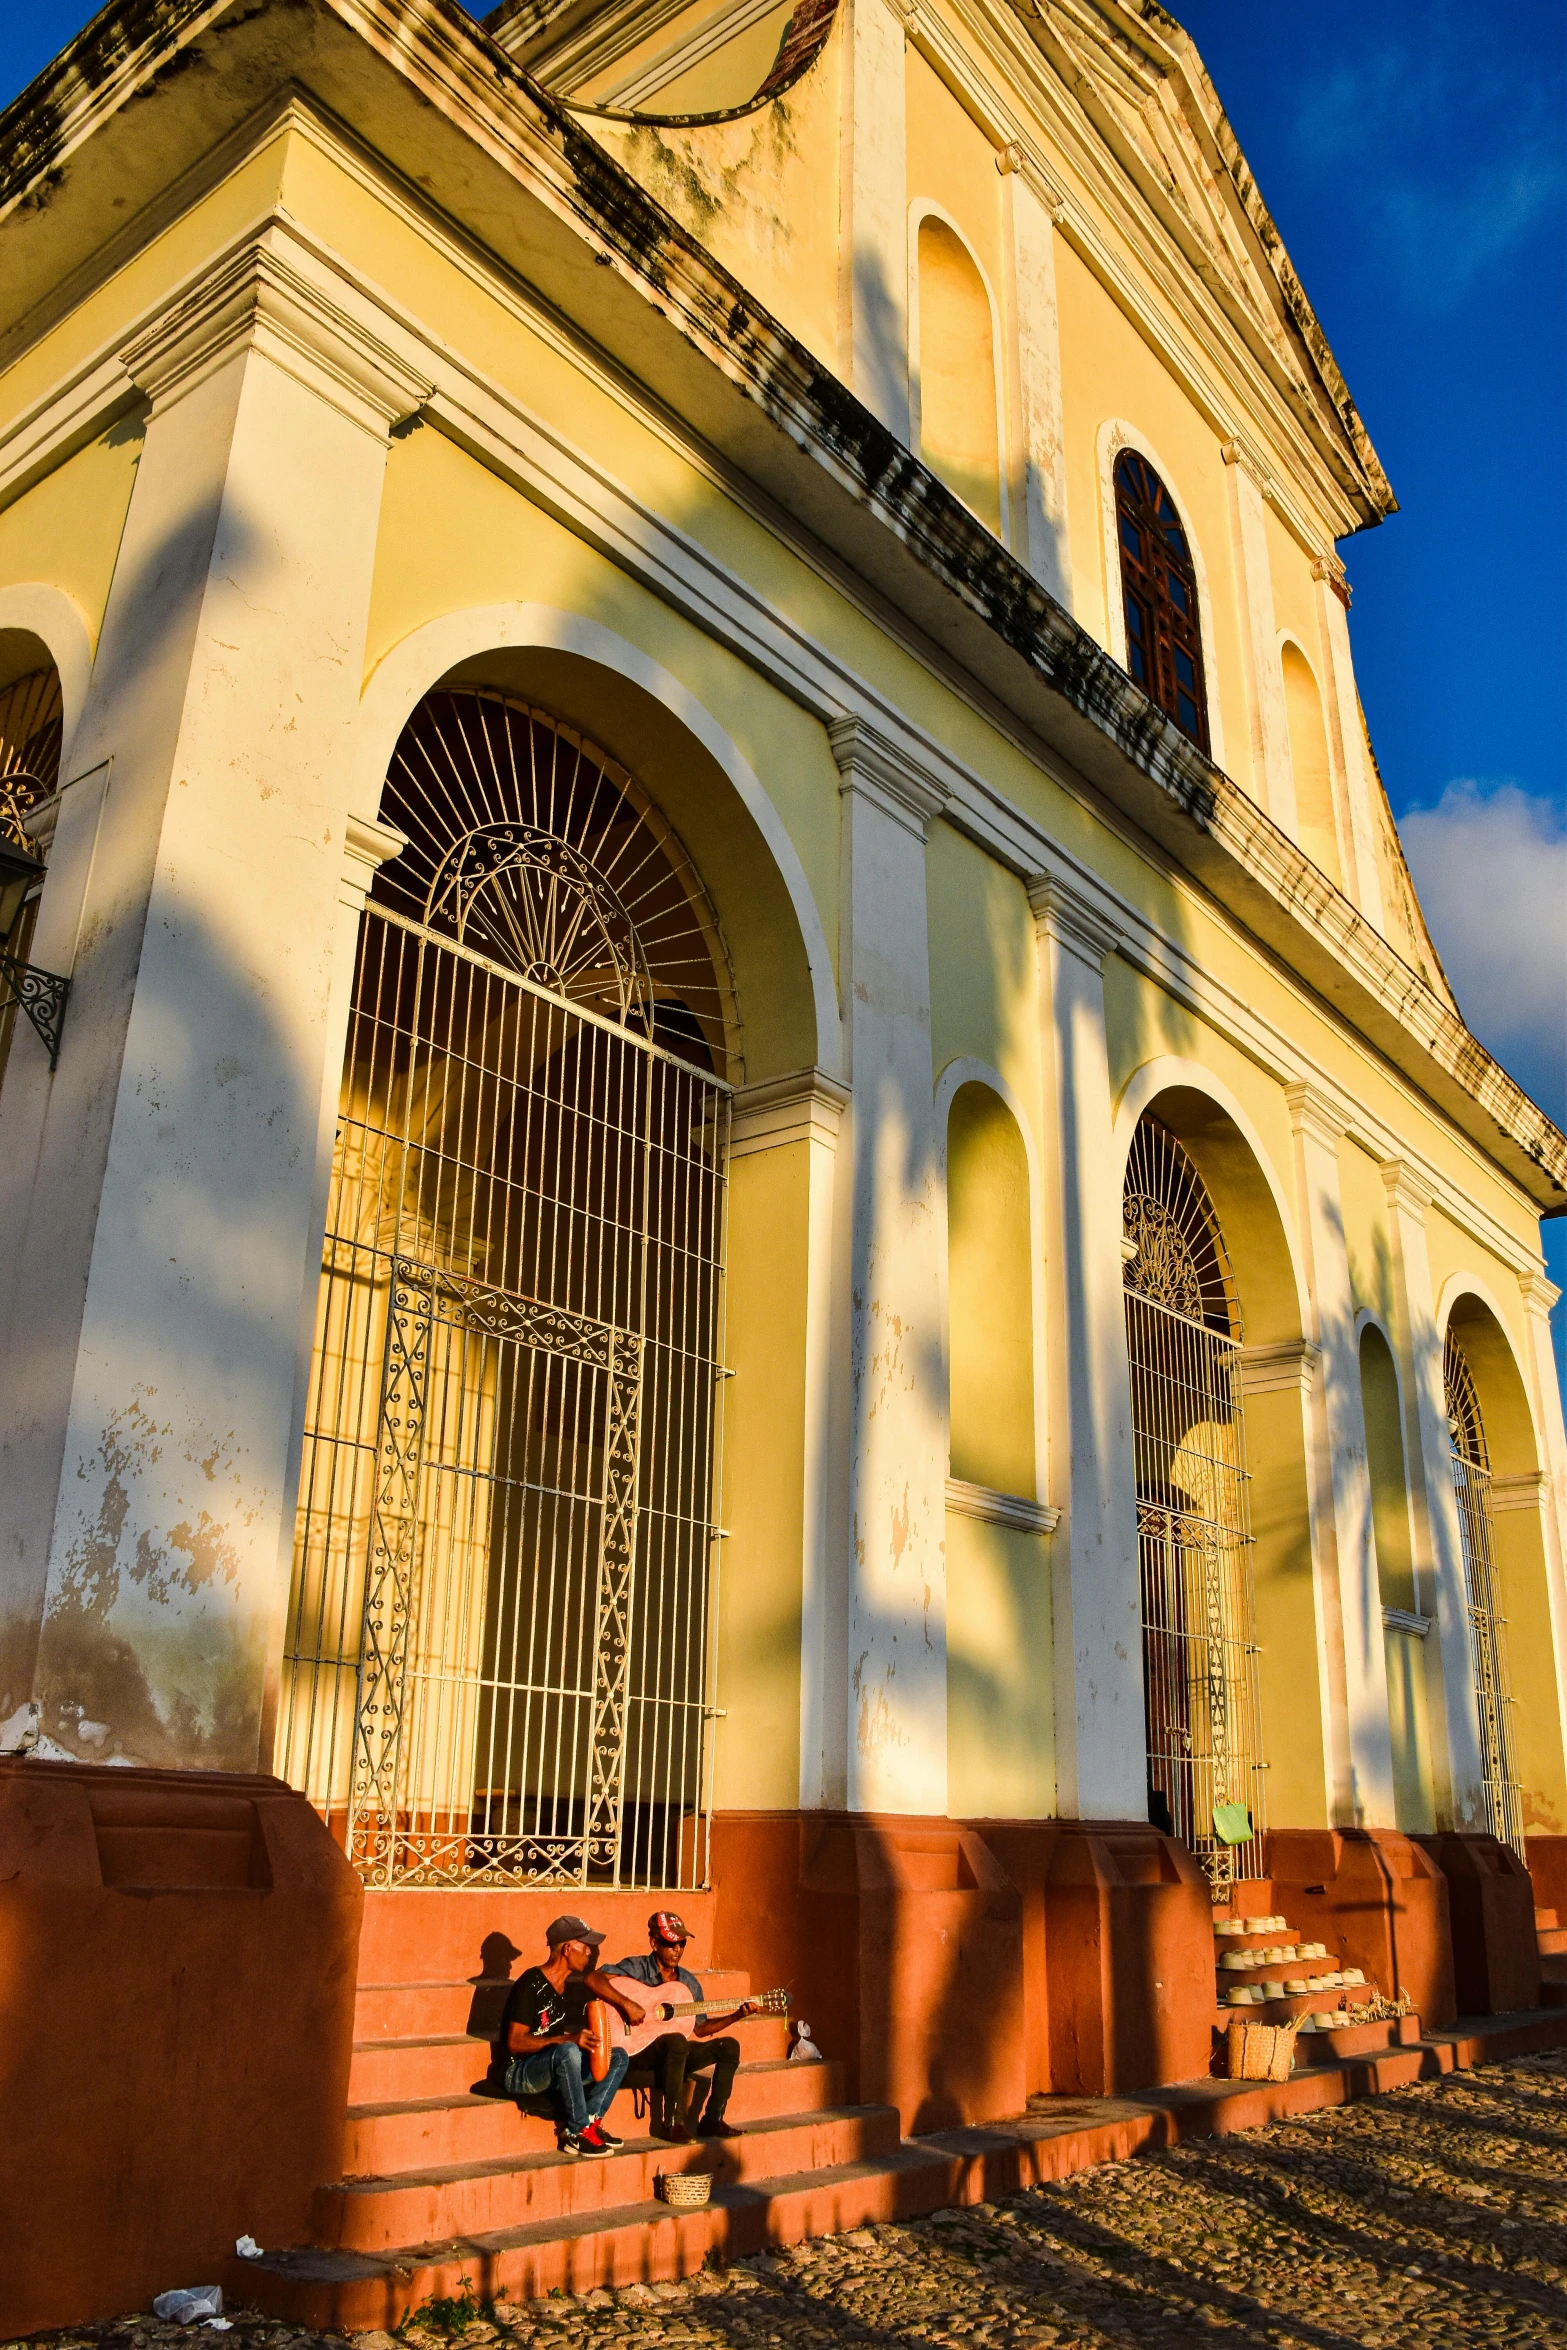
<point x="957" y="372"/>
<point x="497" y="1652"/>
<point x="989" y="1300"/>
<point x="1487" y="1649"/>
<point x="1309" y="759"/>
<point x="1183" y="1336"/>
<point x="1159" y="591"/>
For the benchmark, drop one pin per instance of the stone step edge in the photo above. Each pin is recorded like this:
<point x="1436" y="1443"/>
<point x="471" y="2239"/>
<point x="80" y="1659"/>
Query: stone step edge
<point x="304" y="2284"/>
<point x="454" y="2174"/>
<point x="464" y="2098"/>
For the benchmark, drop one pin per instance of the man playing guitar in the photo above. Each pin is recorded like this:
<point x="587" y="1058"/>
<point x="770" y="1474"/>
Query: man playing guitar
<point x="671" y="2057"/>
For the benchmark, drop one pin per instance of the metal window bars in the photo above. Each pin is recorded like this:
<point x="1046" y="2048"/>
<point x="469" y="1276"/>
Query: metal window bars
<point x="31" y="722"/>
<point x="1487" y="1646"/>
<point x="499" y="1647"/>
<point x="1200" y="1678"/>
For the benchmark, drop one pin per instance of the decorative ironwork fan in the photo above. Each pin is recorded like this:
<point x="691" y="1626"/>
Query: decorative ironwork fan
<point x="1174" y="1251"/>
<point x="533" y="849"/>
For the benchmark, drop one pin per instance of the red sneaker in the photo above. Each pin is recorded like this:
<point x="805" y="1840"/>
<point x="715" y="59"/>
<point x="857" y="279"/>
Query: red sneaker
<point x="591" y="2140"/>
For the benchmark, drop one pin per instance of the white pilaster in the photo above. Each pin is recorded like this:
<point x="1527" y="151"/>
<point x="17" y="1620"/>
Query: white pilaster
<point x="1362" y="877"/>
<point x="1438" y="1548"/>
<point x="1272" y="768"/>
<point x="175" y="1161"/>
<point x="897" y="1405"/>
<point x="1540" y="1295"/>
<point x="1363" y="1762"/>
<point x="807" y="1108"/>
<point x="873" y="266"/>
<point x="1101" y="1738"/>
<point x="1034" y="364"/>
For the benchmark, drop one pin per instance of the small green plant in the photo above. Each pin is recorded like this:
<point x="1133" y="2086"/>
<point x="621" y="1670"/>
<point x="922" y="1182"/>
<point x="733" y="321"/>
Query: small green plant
<point x="450" y="2313"/>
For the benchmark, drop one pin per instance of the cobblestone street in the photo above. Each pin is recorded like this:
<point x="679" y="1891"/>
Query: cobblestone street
<point x="1434" y="2215"/>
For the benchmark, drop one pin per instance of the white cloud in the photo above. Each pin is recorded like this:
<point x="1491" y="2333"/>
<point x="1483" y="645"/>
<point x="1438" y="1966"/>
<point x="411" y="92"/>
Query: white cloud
<point x="1490" y="864"/>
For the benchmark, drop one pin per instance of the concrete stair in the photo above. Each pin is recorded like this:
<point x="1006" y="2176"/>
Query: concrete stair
<point x="437" y="2179"/>
<point x="1552" y="1939"/>
<point x="1265" y="1953"/>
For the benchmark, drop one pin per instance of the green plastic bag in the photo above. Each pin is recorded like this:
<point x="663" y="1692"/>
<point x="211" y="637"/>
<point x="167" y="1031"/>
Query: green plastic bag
<point x="1231" y="1822"/>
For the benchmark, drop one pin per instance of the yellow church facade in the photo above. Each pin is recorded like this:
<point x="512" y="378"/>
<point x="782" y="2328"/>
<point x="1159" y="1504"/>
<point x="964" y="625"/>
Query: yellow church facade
<point x="753" y="1138"/>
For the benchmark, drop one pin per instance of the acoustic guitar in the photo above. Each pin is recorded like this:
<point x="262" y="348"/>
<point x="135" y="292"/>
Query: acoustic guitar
<point x="671" y="2009"/>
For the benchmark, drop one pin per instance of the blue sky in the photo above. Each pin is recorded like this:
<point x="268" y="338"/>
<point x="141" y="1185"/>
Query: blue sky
<point x="1414" y="156"/>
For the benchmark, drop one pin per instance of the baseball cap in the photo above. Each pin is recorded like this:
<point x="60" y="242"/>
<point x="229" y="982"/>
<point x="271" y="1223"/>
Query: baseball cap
<point x="569" y="1929"/>
<point x="664" y="1926"/>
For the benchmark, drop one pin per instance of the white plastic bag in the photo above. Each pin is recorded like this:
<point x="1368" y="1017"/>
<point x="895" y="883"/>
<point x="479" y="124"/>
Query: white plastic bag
<point x="188" y="2302"/>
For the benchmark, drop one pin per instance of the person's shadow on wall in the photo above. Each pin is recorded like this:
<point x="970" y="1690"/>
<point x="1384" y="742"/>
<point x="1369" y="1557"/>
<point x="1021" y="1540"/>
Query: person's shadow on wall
<point x="497" y="1955"/>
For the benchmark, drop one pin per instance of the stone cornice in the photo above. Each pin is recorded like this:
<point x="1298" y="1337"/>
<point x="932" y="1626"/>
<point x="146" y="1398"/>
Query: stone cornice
<point x="366" y="848"/>
<point x="805" y="1106"/>
<point x="874" y="764"/>
<point x="256" y="299"/>
<point x="1275" y="1370"/>
<point x="1072" y="920"/>
<point x="1524" y="1492"/>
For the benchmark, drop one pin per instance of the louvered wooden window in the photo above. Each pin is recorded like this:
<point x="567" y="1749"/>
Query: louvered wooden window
<point x="1159" y="591"/>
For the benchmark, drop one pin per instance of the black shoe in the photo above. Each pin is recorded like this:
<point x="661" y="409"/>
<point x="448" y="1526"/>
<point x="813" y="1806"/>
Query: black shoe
<point x="568" y="2143"/>
<point x="718" y="2129"/>
<point x="609" y="2136"/>
<point x="593" y="2141"/>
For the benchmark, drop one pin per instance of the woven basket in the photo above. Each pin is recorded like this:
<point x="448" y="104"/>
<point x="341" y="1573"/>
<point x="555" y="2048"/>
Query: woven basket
<point x="684" y="2190"/>
<point x="1261" y="2052"/>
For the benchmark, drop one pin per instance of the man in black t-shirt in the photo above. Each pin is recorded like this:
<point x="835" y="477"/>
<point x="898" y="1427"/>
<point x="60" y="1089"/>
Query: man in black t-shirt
<point x="542" y="2038"/>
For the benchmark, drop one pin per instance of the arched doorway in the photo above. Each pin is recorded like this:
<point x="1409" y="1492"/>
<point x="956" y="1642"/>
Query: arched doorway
<point x="1184" y="1336"/>
<point x="31" y="725"/>
<point x="497" y="1659"/>
<point x="1471" y="1459"/>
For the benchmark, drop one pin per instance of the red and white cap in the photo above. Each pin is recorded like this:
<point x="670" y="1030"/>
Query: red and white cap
<point x="665" y="1926"/>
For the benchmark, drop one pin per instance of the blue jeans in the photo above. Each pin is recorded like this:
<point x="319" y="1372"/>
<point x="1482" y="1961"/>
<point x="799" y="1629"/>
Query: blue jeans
<point x="562" y="2070"/>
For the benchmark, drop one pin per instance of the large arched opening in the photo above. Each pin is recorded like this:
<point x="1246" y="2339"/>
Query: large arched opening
<point x="1219" y="1371"/>
<point x="32" y="723"/>
<point x="498" y="1655"/>
<point x="1495" y="1466"/>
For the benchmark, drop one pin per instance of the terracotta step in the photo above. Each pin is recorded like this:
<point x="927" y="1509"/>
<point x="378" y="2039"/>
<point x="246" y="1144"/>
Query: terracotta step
<point x="1544" y="1920"/>
<point x="422" y="2133"/>
<point x="618" y="2244"/>
<point x="397" y="2011"/>
<point x="1553" y="1991"/>
<point x="1552" y="1941"/>
<point x="462" y="2199"/>
<point x="445" y="2063"/>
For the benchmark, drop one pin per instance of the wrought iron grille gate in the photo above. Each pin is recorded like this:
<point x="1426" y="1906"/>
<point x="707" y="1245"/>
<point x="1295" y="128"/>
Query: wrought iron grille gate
<point x="498" y="1650"/>
<point x="1487" y="1648"/>
<point x="1193" y="1535"/>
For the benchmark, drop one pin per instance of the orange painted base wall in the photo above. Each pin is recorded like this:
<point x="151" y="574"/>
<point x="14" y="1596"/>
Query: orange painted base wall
<point x="177" y="1969"/>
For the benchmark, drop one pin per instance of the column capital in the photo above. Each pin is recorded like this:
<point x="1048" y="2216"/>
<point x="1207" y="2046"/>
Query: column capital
<point x="805" y="1106"/>
<point x="1540" y="1292"/>
<point x="1328" y="571"/>
<point x="258" y="299"/>
<point x="1317" y="1113"/>
<point x="366" y="848"/>
<point x="1073" y="920"/>
<point x="1408" y="1192"/>
<point x="1239" y="451"/>
<point x="1289" y="1364"/>
<point x="881" y="770"/>
<point x="1523" y="1492"/>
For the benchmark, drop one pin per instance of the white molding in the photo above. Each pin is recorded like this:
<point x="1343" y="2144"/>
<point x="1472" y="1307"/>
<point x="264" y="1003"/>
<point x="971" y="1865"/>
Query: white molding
<point x="805" y="1106"/>
<point x="366" y="848"/>
<point x="58" y="622"/>
<point x="923" y="208"/>
<point x="1402" y="1619"/>
<point x="419" y="660"/>
<point x="878" y="766"/>
<point x="1319" y="1112"/>
<point x="1114" y="435"/>
<point x="258" y="299"/>
<point x="1524" y="1492"/>
<point x="691" y="49"/>
<point x="1073" y="920"/>
<point x="1285" y="1368"/>
<point x="1001" y="1509"/>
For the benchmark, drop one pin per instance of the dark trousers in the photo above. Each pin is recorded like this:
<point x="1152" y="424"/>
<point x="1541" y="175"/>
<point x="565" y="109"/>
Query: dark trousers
<point x="672" y="2056"/>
